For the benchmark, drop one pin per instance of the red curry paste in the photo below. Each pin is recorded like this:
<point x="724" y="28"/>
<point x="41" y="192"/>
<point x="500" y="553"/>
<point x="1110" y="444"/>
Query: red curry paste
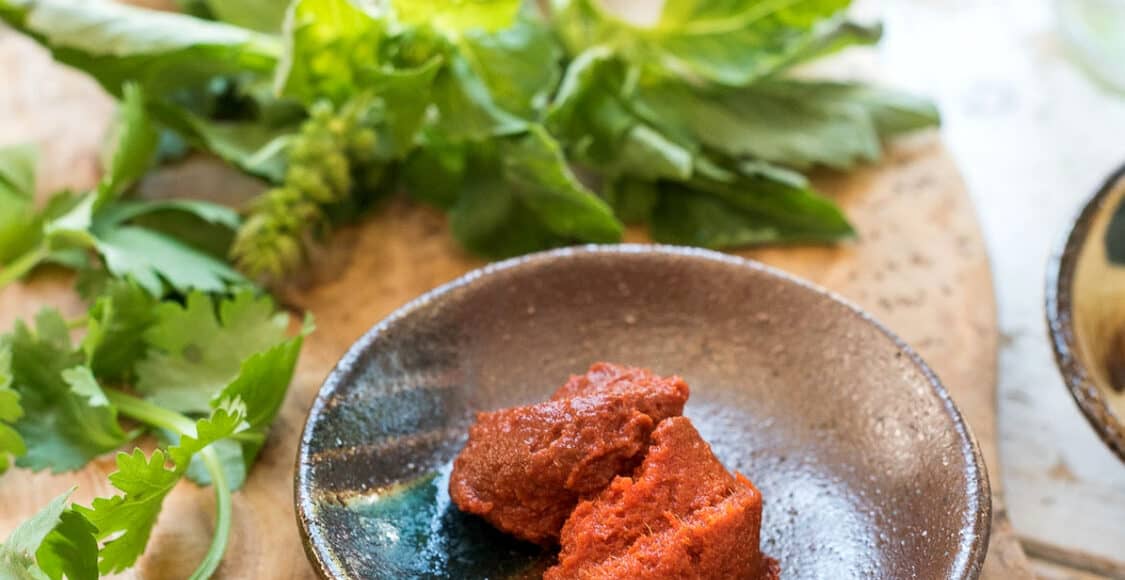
<point x="634" y="489"/>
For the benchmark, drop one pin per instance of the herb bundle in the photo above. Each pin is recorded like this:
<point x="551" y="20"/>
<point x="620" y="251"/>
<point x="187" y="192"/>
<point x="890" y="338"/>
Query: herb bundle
<point x="492" y="109"/>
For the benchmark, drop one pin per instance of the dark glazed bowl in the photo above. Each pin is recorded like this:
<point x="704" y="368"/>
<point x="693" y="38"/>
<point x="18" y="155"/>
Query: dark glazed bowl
<point x="1086" y="310"/>
<point x="867" y="469"/>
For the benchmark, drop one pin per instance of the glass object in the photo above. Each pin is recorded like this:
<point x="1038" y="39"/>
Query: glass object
<point x="1096" y="30"/>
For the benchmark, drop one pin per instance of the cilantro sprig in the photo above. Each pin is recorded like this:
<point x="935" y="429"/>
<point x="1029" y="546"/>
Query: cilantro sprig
<point x="205" y="375"/>
<point x="531" y="128"/>
<point x="103" y="228"/>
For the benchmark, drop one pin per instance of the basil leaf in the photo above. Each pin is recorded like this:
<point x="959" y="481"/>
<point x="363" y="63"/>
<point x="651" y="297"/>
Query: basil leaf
<point x="795" y="123"/>
<point x="728" y="42"/>
<point x="160" y="51"/>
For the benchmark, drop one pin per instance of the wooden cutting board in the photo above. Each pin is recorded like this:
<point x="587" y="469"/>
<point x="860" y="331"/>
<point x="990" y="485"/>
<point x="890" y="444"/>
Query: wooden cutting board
<point x="920" y="266"/>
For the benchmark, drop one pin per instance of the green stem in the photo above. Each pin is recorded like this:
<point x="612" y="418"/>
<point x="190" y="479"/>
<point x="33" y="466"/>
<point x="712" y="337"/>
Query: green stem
<point x="214" y="555"/>
<point x="157" y="416"/>
<point x="22" y="265"/>
<point x="149" y="413"/>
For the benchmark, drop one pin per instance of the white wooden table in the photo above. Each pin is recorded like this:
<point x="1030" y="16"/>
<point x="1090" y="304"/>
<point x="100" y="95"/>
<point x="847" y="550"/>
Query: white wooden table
<point x="1034" y="137"/>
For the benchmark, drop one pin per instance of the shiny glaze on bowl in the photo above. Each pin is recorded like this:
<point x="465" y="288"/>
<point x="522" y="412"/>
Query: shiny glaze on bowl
<point x="866" y="466"/>
<point x="1086" y="310"/>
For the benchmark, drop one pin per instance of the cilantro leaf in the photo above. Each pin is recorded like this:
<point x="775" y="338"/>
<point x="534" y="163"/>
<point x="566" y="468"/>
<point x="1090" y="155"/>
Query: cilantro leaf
<point x="17" y="553"/>
<point x="796" y="123"/>
<point x="20" y="225"/>
<point x="70" y="550"/>
<point x="145" y="483"/>
<point x="115" y="328"/>
<point x="68" y="227"/>
<point x="10" y="411"/>
<point x="454" y="18"/>
<point x="261" y="385"/>
<point x="134" y="149"/>
<point x="227" y="419"/>
<point x="151" y="258"/>
<point x="67" y="420"/>
<point x="162" y="51"/>
<point x="729" y="43"/>
<point x="194" y="354"/>
<point x="51" y="543"/>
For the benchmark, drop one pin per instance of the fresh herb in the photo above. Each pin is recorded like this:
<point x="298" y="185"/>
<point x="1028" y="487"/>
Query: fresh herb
<point x="55" y="542"/>
<point x="207" y="376"/>
<point x="72" y="227"/>
<point x="488" y="109"/>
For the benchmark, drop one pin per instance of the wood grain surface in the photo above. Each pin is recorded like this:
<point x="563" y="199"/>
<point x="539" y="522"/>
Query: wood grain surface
<point x="919" y="266"/>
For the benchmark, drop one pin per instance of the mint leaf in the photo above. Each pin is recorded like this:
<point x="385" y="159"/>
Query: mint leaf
<point x="162" y="51"/>
<point x="194" y="354"/>
<point x="67" y="420"/>
<point x="796" y="123"/>
<point x="730" y="43"/>
<point x="456" y="17"/>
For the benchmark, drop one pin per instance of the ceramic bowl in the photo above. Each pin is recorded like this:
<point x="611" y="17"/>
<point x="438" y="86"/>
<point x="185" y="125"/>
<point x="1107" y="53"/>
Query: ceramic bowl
<point x="865" y="464"/>
<point x="1086" y="310"/>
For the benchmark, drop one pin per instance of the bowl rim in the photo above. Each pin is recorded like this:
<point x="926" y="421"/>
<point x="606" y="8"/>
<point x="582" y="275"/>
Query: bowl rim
<point x="1059" y="310"/>
<point x="974" y="535"/>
